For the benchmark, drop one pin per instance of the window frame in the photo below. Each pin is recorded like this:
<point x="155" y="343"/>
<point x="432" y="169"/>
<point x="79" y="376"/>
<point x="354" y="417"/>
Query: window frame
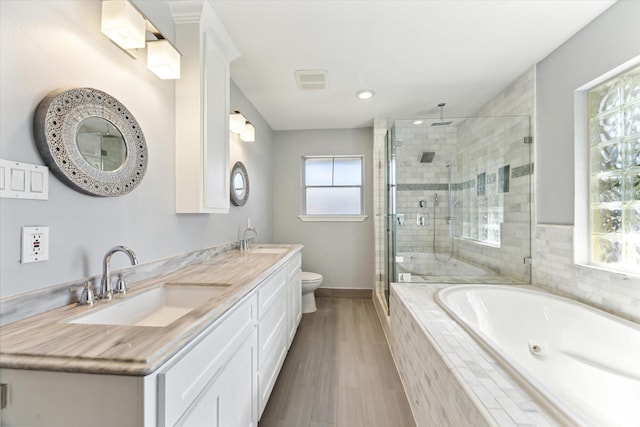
<point x="331" y="217"/>
<point x="584" y="175"/>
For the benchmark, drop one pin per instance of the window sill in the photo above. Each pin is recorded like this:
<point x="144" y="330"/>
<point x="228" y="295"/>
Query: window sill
<point x="333" y="218"/>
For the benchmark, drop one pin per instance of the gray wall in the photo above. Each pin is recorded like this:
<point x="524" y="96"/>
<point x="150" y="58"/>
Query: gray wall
<point x="609" y="41"/>
<point x="47" y="45"/>
<point x="341" y="251"/>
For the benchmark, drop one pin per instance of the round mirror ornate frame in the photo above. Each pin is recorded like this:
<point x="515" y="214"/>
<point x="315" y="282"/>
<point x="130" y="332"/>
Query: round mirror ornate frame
<point x="239" y="184"/>
<point x="58" y="120"/>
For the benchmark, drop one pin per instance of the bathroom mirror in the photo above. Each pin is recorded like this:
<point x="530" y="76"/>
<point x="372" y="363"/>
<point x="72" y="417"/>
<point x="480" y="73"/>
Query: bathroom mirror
<point x="91" y="141"/>
<point x="101" y="144"/>
<point x="239" y="184"/>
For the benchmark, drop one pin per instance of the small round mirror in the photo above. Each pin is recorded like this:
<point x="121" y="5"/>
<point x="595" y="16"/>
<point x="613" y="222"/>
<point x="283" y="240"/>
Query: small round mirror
<point x="239" y="184"/>
<point x="101" y="144"/>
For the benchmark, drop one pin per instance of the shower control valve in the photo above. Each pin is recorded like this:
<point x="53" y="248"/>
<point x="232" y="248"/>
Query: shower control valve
<point x="422" y="219"/>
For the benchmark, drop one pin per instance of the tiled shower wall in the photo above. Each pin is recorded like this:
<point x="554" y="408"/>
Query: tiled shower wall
<point x="418" y="181"/>
<point x="483" y="144"/>
<point x="517" y="100"/>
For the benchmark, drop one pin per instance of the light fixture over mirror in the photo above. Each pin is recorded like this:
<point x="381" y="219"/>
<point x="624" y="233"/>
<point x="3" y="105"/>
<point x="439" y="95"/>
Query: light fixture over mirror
<point x="240" y="125"/>
<point x="128" y="28"/>
<point x="163" y="59"/>
<point x="123" y="24"/>
<point x="248" y="134"/>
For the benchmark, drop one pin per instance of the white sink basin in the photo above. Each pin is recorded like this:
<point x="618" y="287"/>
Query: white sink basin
<point x="156" y="307"/>
<point x="268" y="250"/>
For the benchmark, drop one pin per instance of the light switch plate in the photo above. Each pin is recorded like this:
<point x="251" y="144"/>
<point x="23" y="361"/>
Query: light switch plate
<point x="35" y="244"/>
<point x="23" y="180"/>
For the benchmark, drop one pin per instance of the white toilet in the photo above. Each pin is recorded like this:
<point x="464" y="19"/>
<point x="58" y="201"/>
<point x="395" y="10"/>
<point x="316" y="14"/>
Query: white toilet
<point x="310" y="282"/>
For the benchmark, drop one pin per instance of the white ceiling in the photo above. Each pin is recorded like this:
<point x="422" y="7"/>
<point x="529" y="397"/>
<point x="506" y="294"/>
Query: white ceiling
<point x="414" y="54"/>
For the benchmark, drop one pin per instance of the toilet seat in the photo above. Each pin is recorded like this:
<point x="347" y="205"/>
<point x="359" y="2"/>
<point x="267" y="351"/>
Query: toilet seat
<point x="308" y="277"/>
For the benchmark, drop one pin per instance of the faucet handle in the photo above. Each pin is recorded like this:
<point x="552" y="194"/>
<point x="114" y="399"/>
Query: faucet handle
<point x="121" y="285"/>
<point x="87" y="296"/>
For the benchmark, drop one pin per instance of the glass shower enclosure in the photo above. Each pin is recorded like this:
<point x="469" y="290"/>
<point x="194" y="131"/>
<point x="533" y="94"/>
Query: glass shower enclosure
<point x="458" y="200"/>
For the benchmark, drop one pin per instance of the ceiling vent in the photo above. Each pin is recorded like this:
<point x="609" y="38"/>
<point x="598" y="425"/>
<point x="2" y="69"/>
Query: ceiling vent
<point x="312" y="79"/>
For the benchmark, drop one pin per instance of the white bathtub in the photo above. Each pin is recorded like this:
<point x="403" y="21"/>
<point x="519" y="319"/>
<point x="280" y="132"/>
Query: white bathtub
<point x="583" y="362"/>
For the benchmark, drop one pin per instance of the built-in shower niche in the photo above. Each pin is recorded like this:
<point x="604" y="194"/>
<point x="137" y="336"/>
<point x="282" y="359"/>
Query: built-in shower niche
<point x="477" y="188"/>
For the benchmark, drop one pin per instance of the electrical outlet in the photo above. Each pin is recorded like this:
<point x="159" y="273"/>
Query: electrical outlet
<point x="35" y="244"/>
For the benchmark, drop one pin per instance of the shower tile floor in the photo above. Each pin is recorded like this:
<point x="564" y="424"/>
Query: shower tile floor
<point x="339" y="372"/>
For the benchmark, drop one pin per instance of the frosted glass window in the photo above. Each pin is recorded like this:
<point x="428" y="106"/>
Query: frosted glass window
<point x="332" y="185"/>
<point x="614" y="138"/>
<point x="319" y="172"/>
<point x="333" y="201"/>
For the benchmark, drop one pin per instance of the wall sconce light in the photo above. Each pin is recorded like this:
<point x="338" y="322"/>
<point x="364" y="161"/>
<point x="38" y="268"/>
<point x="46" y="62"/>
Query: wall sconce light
<point x="128" y="28"/>
<point x="236" y="122"/>
<point x="248" y="134"/>
<point x="123" y="24"/>
<point x="240" y="125"/>
<point x="163" y="59"/>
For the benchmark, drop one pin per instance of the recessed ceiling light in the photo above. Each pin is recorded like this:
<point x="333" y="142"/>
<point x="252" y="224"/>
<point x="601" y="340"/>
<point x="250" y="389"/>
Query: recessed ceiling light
<point x="365" y="94"/>
<point x="418" y="122"/>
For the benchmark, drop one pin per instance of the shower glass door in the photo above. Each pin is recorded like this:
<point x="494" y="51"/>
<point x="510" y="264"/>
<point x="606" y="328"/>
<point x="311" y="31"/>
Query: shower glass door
<point x="459" y="200"/>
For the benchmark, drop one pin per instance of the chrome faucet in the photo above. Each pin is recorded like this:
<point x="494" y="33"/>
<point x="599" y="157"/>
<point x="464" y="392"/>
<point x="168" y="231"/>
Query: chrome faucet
<point x="245" y="244"/>
<point x="106" y="290"/>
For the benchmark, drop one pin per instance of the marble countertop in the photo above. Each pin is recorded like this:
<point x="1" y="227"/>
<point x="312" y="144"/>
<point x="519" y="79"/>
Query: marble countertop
<point x="48" y="342"/>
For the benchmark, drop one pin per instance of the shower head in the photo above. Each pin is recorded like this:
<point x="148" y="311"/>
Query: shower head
<point x="427" y="157"/>
<point x="441" y="122"/>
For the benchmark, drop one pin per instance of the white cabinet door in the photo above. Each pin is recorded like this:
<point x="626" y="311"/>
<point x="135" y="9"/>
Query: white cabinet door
<point x="294" y="300"/>
<point x="191" y="376"/>
<point x="228" y="399"/>
<point x="216" y="127"/>
<point x="202" y="109"/>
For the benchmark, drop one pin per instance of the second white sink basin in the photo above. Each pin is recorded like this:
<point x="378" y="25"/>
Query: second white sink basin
<point x="156" y="307"/>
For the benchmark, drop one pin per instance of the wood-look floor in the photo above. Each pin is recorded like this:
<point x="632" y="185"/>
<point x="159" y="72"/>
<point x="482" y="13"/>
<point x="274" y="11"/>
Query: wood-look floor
<point x="339" y="372"/>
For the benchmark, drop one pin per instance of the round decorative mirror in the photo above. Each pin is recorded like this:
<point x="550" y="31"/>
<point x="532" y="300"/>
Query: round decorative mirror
<point x="91" y="141"/>
<point x="101" y="144"/>
<point x="239" y="184"/>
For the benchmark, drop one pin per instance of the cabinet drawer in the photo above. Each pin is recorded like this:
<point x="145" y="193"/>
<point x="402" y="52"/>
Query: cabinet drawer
<point x="182" y="380"/>
<point x="268" y="374"/>
<point x="271" y="327"/>
<point x="268" y="292"/>
<point x="293" y="266"/>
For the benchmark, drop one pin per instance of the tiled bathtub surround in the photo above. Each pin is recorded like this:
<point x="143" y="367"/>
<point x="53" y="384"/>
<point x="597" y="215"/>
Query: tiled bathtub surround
<point x="554" y="270"/>
<point x="449" y="379"/>
<point x="30" y="304"/>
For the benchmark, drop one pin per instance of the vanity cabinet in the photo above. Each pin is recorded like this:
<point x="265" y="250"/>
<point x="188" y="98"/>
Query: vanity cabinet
<point x="223" y="377"/>
<point x="202" y="109"/>
<point x="214" y="379"/>
<point x="272" y="334"/>
<point x="279" y="313"/>
<point x="209" y="382"/>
